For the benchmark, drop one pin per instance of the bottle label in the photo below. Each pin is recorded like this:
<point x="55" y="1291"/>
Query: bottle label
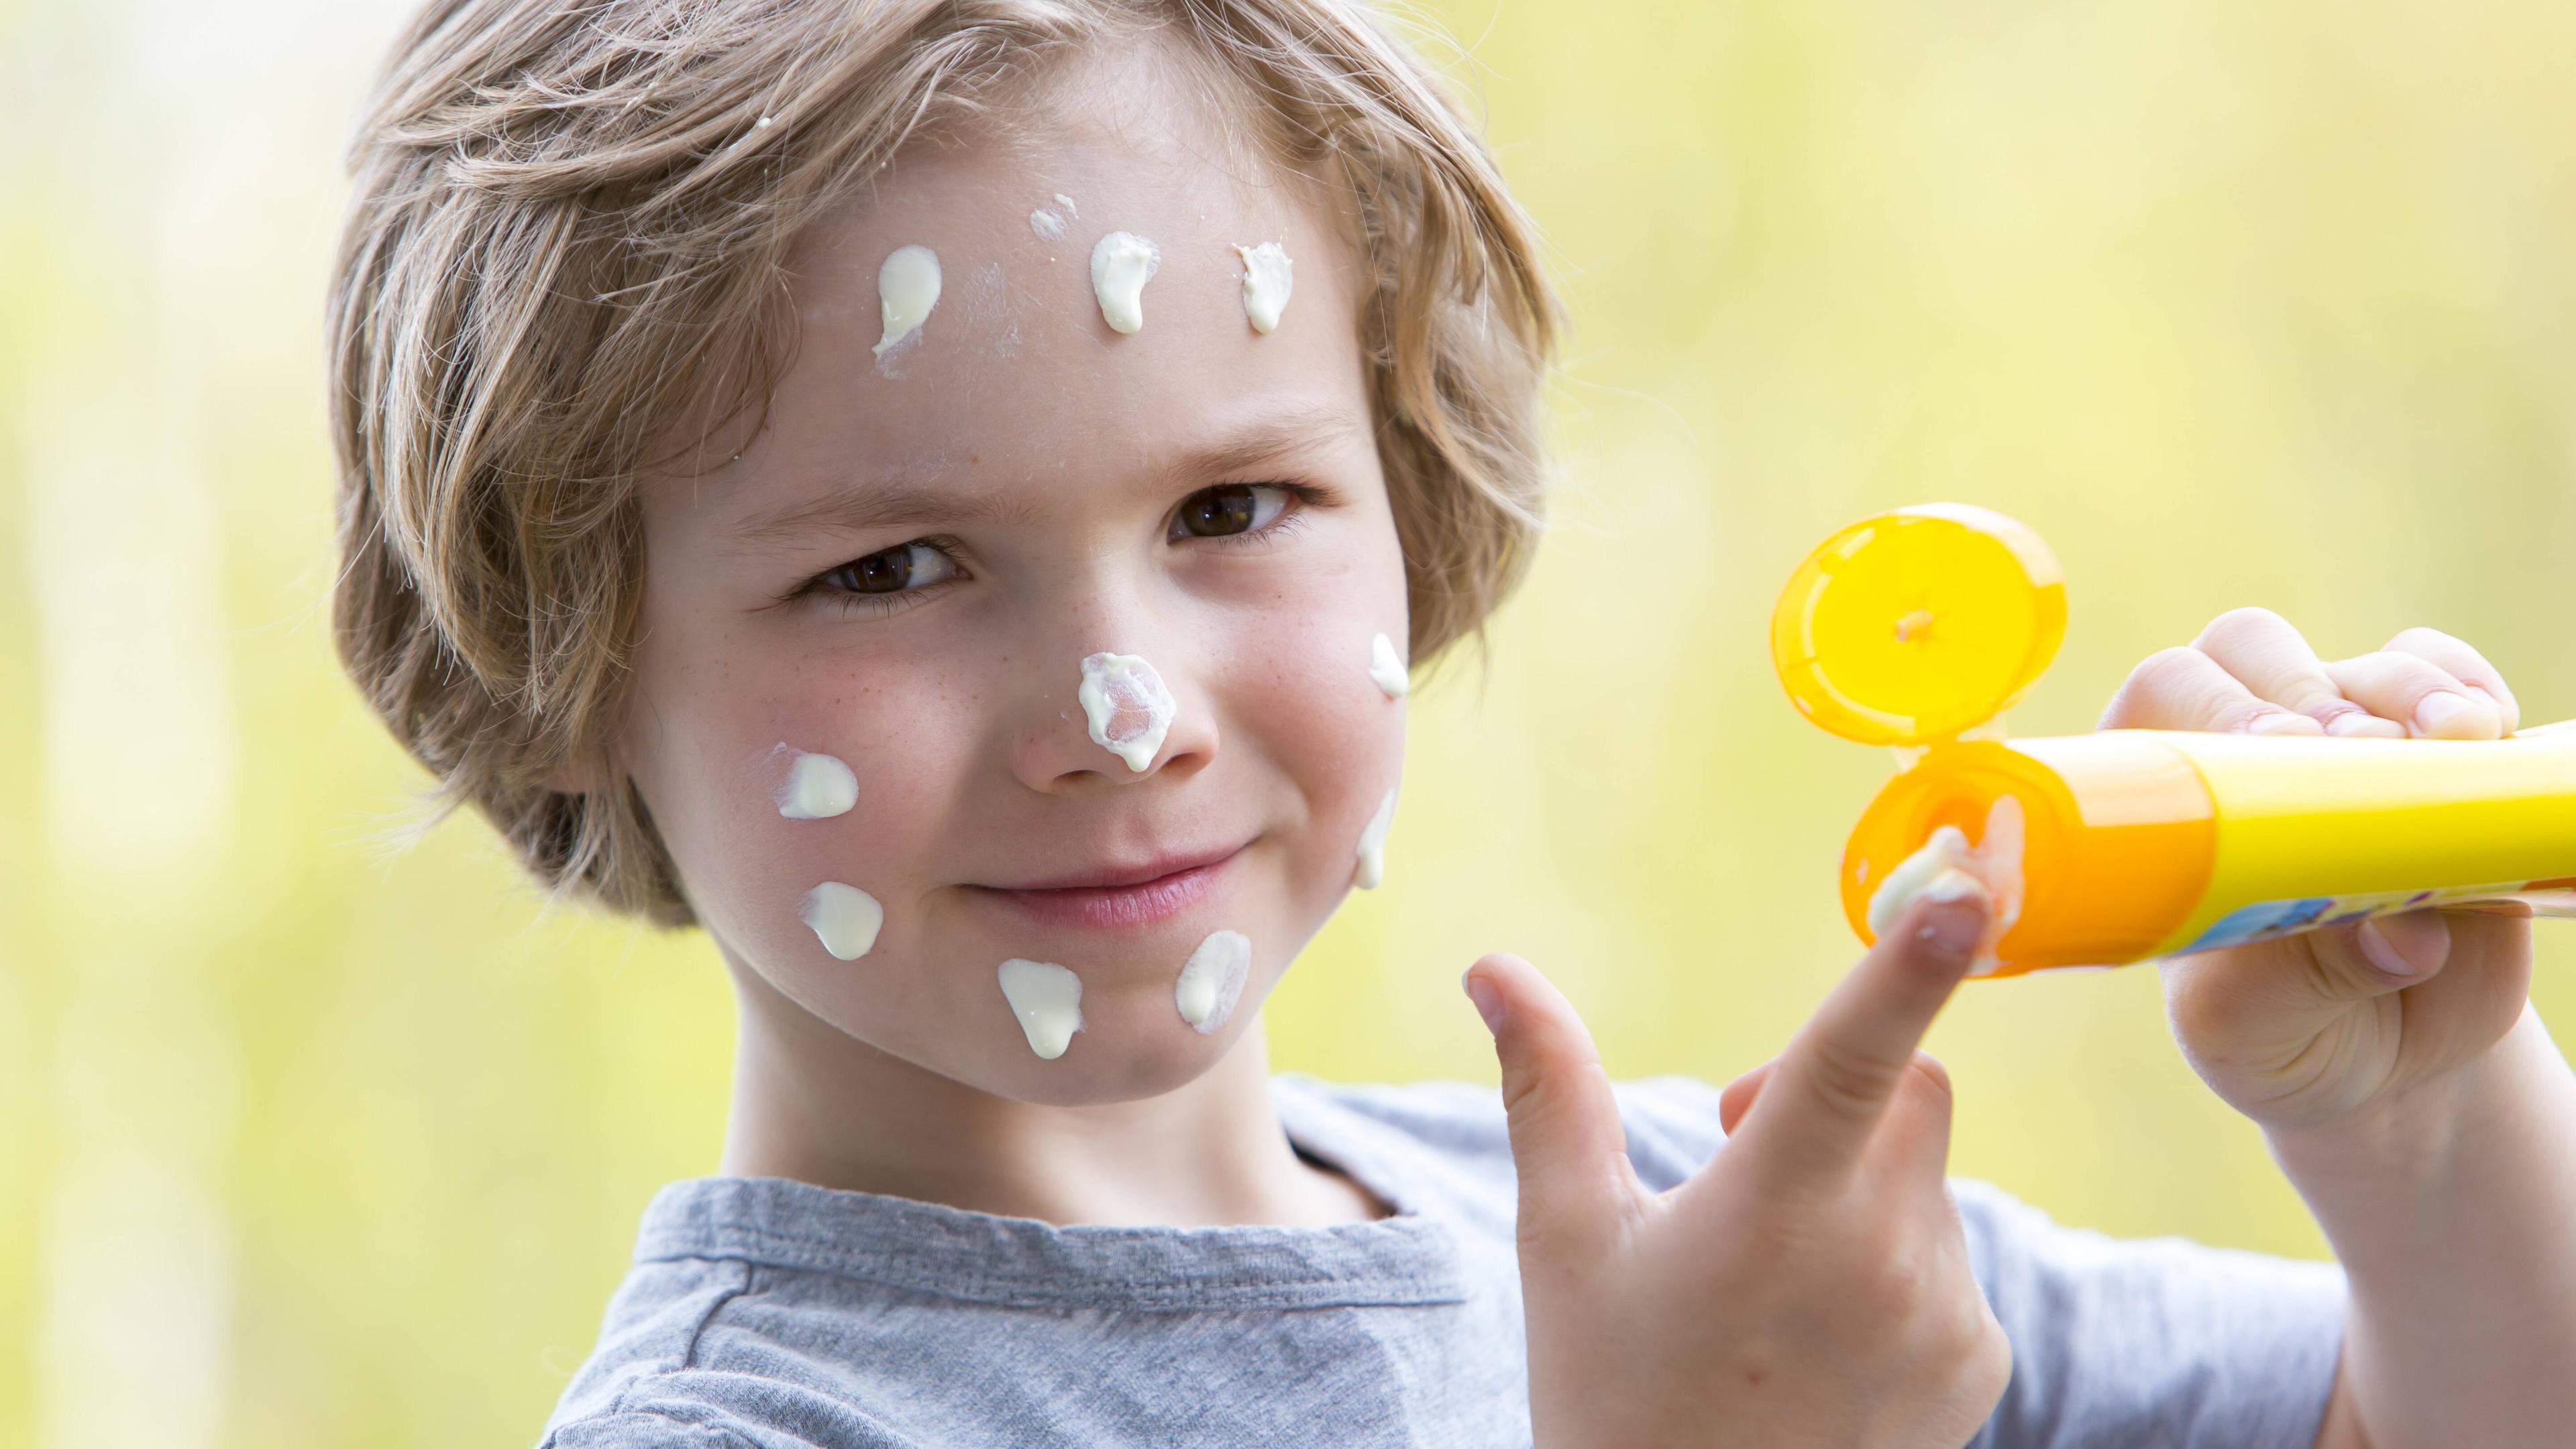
<point x="2265" y="920"/>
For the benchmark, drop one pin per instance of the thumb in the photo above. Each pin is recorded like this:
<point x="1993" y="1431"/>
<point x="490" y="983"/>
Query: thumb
<point x="1567" y="1144"/>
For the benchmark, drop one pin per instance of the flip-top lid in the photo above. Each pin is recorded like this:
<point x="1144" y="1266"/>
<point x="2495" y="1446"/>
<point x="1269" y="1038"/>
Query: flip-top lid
<point x="1915" y="626"/>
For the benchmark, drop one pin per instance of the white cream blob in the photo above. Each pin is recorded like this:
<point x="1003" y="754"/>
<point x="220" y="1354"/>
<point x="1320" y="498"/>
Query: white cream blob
<point x="1999" y="868"/>
<point x="1121" y="264"/>
<point x="1047" y="999"/>
<point x="1211" y="981"/>
<point x="1048" y="225"/>
<point x="1372" y="868"/>
<point x="907" y="288"/>
<point x="843" y="917"/>
<point x="1265" y="284"/>
<point x="817" y="787"/>
<point x="1991" y="868"/>
<point x="1128" y="706"/>
<point x="1947" y="849"/>
<point x="1385" y="670"/>
<point x="1066" y="202"/>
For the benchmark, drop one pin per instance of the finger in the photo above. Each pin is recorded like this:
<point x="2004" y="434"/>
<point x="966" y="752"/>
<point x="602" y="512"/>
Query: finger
<point x="2406" y="948"/>
<point x="1567" y="1144"/>
<point x="1830" y="1088"/>
<point x="1912" y="1145"/>
<point x="2183" y="689"/>
<point x="2466" y="665"/>
<point x="2272" y="659"/>
<point x="1740" y="1094"/>
<point x="2418" y="694"/>
<point x="2375" y="957"/>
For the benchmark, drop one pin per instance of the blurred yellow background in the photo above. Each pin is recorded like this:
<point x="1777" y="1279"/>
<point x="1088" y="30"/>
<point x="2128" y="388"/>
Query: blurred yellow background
<point x="304" y="1141"/>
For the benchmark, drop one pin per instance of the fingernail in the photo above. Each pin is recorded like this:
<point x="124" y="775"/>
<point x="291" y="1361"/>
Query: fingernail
<point x="2443" y="708"/>
<point x="1489" y="1003"/>
<point x="2362" y="722"/>
<point x="2381" y="952"/>
<point x="1956" y="922"/>
<point x="2284" y="723"/>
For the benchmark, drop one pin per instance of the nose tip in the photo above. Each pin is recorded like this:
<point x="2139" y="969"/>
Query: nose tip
<point x="1127" y="707"/>
<point x="1129" y="726"/>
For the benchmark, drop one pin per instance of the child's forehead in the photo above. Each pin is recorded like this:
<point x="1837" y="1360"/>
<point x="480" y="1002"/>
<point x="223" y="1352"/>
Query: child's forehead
<point x="1014" y="380"/>
<point x="1107" y="139"/>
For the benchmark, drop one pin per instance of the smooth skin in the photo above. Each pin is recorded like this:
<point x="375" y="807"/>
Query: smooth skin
<point x="1809" y="1285"/>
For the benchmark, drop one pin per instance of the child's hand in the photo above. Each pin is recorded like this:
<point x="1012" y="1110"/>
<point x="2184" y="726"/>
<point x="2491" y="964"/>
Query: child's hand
<point x="1811" y="1284"/>
<point x="2312" y="1028"/>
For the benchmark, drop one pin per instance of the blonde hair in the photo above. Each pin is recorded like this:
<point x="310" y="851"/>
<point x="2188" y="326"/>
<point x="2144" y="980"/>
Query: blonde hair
<point x="568" y="228"/>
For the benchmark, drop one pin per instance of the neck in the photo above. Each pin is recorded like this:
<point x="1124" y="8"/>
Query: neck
<point x="815" y="1105"/>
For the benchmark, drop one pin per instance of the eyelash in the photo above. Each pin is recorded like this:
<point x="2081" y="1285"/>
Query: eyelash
<point x="1301" y="496"/>
<point x="820" y="586"/>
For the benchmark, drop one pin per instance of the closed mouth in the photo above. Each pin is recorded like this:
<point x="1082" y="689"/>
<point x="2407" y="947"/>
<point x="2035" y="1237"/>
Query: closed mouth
<point x="1121" y="896"/>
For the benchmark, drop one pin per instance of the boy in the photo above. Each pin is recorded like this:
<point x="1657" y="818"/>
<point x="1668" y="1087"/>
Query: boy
<point x="944" y="496"/>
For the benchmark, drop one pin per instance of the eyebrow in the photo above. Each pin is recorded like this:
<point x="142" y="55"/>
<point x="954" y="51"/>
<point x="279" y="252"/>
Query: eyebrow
<point x="924" y="505"/>
<point x="1265" y="441"/>
<point x="865" y="509"/>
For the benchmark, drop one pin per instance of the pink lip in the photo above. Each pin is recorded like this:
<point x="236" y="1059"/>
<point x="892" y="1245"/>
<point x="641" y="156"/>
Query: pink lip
<point x="1118" y="896"/>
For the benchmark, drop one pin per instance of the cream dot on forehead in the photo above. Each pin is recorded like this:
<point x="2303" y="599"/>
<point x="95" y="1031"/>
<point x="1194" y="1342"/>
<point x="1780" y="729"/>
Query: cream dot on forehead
<point x="1047" y="1000"/>
<point x="1121" y="264"/>
<point x="1265" y="284"/>
<point x="844" y="918"/>
<point x="1211" y="981"/>
<point x="1127" y="705"/>
<point x="1047" y="225"/>
<point x="907" y="290"/>
<point x="817" y="787"/>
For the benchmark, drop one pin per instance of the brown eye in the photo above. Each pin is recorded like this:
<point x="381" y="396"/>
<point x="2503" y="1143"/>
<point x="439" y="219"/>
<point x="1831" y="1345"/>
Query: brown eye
<point x="1228" y="508"/>
<point x="893" y="570"/>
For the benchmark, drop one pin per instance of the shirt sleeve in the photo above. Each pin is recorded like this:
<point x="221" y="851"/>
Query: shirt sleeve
<point x="2157" y="1343"/>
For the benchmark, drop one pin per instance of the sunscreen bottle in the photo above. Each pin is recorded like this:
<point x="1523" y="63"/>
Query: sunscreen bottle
<point x="1918" y="628"/>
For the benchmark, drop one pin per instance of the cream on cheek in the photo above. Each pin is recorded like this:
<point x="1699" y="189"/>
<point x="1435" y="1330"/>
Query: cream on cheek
<point x="1211" y="981"/>
<point x="844" y="918"/>
<point x="1387" y="672"/>
<point x="816" y="787"/>
<point x="1371" y="871"/>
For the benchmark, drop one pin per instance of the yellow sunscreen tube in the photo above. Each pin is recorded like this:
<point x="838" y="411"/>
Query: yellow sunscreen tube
<point x="2145" y="843"/>
<point x="1917" y="628"/>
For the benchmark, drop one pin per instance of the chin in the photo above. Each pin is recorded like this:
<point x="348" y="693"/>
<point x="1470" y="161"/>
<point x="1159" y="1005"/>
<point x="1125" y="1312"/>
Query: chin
<point x="1123" y="1061"/>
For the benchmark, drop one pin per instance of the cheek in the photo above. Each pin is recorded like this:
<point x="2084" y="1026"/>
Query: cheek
<point x="1303" y="706"/>
<point x="770" y="779"/>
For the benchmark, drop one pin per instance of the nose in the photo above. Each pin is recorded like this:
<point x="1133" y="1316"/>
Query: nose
<point x="1111" y="716"/>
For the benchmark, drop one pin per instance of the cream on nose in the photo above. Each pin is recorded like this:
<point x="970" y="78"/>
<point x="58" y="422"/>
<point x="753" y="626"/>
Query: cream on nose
<point x="1127" y="705"/>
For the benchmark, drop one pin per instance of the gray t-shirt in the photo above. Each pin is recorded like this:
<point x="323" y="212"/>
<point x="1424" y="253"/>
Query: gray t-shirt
<point x="773" y="1313"/>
